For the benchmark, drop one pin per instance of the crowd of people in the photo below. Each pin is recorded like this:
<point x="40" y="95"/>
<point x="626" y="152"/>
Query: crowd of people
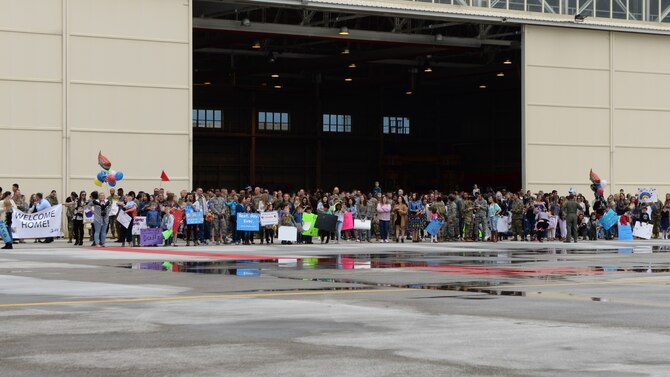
<point x="395" y="216"/>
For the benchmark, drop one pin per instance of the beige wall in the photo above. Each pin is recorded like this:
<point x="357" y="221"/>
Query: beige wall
<point x="595" y="99"/>
<point x="79" y="76"/>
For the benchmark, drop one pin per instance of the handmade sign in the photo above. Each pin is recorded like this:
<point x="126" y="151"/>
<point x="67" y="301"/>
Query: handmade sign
<point x="4" y="233"/>
<point x="151" y="236"/>
<point x="609" y="219"/>
<point x="308" y="228"/>
<point x="625" y="233"/>
<point x="433" y="227"/>
<point x="326" y="222"/>
<point x="167" y="234"/>
<point x="139" y="223"/>
<point x="362" y="224"/>
<point x="88" y="215"/>
<point x="193" y="216"/>
<point x="249" y="222"/>
<point x="348" y="221"/>
<point x="647" y="194"/>
<point x="269" y="218"/>
<point x="502" y="226"/>
<point x="42" y="224"/>
<point x="643" y="230"/>
<point x="124" y="219"/>
<point x="287" y="233"/>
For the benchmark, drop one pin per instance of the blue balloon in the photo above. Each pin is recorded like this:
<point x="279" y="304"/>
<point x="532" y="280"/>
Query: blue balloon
<point x="119" y="176"/>
<point x="101" y="176"/>
<point x="111" y="184"/>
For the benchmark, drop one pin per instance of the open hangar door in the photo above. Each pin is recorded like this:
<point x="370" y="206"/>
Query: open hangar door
<point x="301" y="98"/>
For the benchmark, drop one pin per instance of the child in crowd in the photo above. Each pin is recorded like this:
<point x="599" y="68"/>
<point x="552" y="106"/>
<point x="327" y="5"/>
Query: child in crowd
<point x="593" y="227"/>
<point x="553" y="222"/>
<point x="433" y="216"/>
<point x="167" y="223"/>
<point x="307" y="239"/>
<point x="286" y="219"/>
<point x="297" y="219"/>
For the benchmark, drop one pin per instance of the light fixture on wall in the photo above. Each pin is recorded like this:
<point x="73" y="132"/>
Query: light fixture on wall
<point x="345" y="51"/>
<point x="579" y="18"/>
<point x="507" y="62"/>
<point x="427" y="69"/>
<point x="274" y="75"/>
<point x="482" y="86"/>
<point x="500" y="74"/>
<point x="348" y="79"/>
<point x="344" y="31"/>
<point x="352" y="65"/>
<point x="245" y="22"/>
<point x="256" y="45"/>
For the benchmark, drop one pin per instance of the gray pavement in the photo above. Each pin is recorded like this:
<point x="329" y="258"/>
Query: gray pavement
<point x="449" y="309"/>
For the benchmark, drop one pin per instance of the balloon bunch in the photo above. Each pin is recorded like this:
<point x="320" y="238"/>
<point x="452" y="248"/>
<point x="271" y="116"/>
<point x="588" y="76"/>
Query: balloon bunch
<point x="106" y="175"/>
<point x="597" y="185"/>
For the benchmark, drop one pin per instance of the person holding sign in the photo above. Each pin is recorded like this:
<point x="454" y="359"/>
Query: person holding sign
<point x="40" y="205"/>
<point x="191" y="230"/>
<point x="130" y="209"/>
<point x="101" y="210"/>
<point x="4" y="231"/>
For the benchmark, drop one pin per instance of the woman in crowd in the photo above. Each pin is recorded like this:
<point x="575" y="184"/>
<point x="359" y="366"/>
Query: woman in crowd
<point x="101" y="209"/>
<point x="384" y="215"/>
<point x="416" y="217"/>
<point x="191" y="230"/>
<point x="6" y="205"/>
<point x="493" y="213"/>
<point x="362" y="215"/>
<point x="351" y="208"/>
<point x="665" y="217"/>
<point x="400" y="219"/>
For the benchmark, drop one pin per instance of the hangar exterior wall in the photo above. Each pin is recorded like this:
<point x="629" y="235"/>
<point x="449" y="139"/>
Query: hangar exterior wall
<point x="595" y="99"/>
<point x="80" y="76"/>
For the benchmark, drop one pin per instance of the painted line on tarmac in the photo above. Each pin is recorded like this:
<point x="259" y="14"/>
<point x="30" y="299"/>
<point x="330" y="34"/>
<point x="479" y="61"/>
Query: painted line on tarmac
<point x="205" y="297"/>
<point x="628" y="282"/>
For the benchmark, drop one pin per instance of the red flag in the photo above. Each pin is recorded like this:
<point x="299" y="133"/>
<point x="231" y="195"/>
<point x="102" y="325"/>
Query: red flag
<point x="164" y="177"/>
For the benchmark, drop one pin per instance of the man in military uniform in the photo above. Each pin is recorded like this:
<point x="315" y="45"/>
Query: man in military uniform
<point x="656" y="218"/>
<point x="481" y="209"/>
<point x="571" y="208"/>
<point x="452" y="219"/>
<point x="218" y="208"/>
<point x="517" y="217"/>
<point x="459" y="213"/>
<point x="372" y="213"/>
<point x="52" y="198"/>
<point x="467" y="214"/>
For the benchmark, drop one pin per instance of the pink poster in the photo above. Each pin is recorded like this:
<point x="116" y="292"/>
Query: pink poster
<point x="348" y="222"/>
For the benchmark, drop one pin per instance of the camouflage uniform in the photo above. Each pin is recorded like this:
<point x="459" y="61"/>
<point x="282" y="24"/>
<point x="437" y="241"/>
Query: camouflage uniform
<point x="372" y="214"/>
<point x="467" y="215"/>
<point x="517" y="219"/>
<point x="481" y="208"/>
<point x="452" y="221"/>
<point x="656" y="218"/>
<point x="441" y="211"/>
<point x="217" y="206"/>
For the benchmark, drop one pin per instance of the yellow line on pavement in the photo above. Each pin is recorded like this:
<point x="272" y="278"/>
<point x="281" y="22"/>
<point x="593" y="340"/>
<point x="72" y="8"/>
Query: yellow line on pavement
<point x="204" y="297"/>
<point x="549" y="285"/>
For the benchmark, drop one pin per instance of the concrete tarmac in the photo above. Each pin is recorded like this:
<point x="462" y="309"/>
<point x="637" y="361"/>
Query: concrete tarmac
<point x="448" y="309"/>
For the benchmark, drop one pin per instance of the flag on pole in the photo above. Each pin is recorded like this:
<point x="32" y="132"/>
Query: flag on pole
<point x="164" y="177"/>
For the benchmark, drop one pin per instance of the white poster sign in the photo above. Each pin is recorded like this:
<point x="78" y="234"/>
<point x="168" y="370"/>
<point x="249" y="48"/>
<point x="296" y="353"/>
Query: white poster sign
<point x="269" y="218"/>
<point x="114" y="210"/>
<point x="41" y="224"/>
<point x="642" y="230"/>
<point x="139" y="223"/>
<point x="288" y="233"/>
<point x="647" y="194"/>
<point x="124" y="219"/>
<point x="362" y="224"/>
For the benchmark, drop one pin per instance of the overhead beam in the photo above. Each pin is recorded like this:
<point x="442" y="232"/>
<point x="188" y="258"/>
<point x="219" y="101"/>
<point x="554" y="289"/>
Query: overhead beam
<point x="354" y="35"/>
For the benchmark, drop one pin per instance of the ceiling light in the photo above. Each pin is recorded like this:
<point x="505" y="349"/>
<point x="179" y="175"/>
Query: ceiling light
<point x="345" y="51"/>
<point x="409" y="92"/>
<point x="277" y="86"/>
<point x="500" y="74"/>
<point x="274" y="75"/>
<point x="352" y="65"/>
<point x="507" y="62"/>
<point x="428" y="70"/>
<point x="482" y="86"/>
<point x="348" y="79"/>
<point x="256" y="45"/>
<point x="207" y="83"/>
<point x="344" y="31"/>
